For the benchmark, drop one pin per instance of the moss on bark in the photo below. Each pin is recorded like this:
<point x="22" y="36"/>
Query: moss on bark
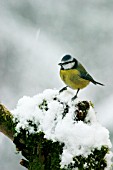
<point x="7" y="126"/>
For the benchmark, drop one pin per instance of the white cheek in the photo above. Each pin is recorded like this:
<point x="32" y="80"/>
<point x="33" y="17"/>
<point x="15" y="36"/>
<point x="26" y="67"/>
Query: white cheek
<point x="68" y="66"/>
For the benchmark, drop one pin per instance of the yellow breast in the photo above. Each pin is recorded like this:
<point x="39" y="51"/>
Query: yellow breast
<point x="72" y="79"/>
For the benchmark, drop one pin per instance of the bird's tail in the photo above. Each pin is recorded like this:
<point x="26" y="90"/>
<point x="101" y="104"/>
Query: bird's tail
<point x="95" y="82"/>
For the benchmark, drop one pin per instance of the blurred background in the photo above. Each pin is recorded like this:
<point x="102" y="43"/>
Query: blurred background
<point x="34" y="35"/>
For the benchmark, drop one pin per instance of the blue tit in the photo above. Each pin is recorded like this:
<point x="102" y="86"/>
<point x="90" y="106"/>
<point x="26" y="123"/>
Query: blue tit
<point x="74" y="75"/>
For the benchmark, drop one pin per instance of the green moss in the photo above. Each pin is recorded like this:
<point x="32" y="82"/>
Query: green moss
<point x="94" y="161"/>
<point x="43" y="154"/>
<point x="6" y="122"/>
<point x="44" y="105"/>
<point x="91" y="104"/>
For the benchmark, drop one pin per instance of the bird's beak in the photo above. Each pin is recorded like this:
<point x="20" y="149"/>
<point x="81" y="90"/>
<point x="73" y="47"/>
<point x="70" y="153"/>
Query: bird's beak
<point x="60" y="64"/>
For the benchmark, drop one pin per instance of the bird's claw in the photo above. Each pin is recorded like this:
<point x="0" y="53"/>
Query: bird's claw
<point x="73" y="98"/>
<point x="64" y="88"/>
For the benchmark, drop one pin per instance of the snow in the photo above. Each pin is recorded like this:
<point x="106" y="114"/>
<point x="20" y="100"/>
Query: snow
<point x="46" y="111"/>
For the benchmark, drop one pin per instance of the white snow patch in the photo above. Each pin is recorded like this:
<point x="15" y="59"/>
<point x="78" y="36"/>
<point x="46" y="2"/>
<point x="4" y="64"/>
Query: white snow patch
<point x="79" y="137"/>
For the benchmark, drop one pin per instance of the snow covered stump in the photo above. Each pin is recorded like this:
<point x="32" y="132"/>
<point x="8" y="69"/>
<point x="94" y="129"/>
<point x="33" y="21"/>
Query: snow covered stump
<point x="55" y="133"/>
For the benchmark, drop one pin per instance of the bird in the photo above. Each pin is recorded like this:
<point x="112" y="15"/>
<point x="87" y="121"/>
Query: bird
<point x="74" y="75"/>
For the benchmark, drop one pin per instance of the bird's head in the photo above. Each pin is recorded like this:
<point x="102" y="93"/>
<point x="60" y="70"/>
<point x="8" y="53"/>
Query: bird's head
<point x="68" y="62"/>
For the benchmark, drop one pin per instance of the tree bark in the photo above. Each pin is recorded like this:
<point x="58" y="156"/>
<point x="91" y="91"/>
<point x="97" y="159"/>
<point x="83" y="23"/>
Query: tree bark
<point x="7" y="126"/>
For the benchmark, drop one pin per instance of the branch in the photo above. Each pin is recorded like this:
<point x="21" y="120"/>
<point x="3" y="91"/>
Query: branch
<point x="7" y="126"/>
<point x="54" y="133"/>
